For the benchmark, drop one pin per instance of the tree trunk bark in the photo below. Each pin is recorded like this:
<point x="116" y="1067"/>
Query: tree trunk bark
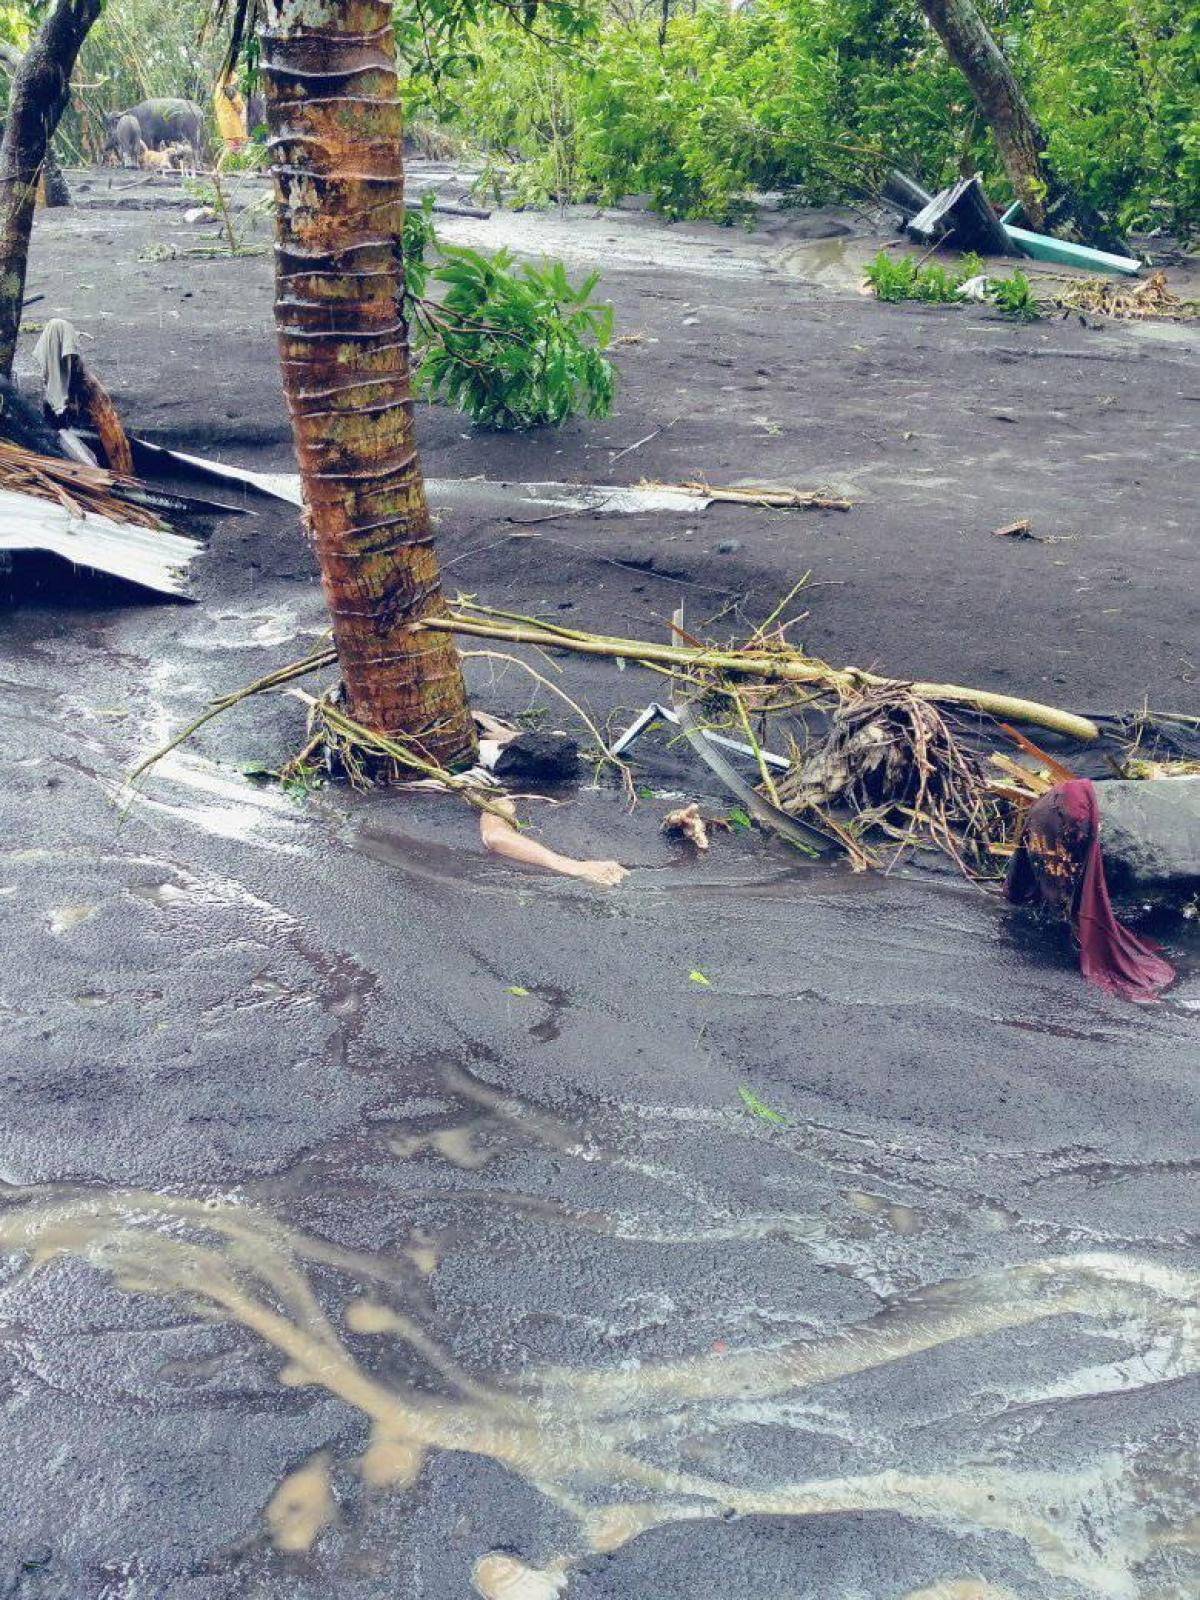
<point x="58" y="192"/>
<point x="336" y="140"/>
<point x="1048" y="204"/>
<point x="41" y="86"/>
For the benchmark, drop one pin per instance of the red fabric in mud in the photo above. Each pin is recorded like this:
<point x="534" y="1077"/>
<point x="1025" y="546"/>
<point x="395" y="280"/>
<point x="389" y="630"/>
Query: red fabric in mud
<point x="1059" y="866"/>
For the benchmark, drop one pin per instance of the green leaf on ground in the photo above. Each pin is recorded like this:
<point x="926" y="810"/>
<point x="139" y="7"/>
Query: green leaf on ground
<point x="759" y="1108"/>
<point x="698" y="977"/>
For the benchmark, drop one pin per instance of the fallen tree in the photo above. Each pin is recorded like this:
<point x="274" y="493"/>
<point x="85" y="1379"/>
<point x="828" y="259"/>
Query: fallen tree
<point x="771" y="666"/>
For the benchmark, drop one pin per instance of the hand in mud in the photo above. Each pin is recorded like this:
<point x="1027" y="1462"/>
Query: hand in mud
<point x="608" y="874"/>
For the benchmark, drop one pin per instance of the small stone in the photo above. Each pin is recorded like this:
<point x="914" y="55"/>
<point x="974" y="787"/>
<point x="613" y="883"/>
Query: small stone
<point x="728" y="546"/>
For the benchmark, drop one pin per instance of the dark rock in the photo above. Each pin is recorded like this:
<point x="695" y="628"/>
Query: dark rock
<point x="1150" y="831"/>
<point x="728" y="547"/>
<point x="539" y="756"/>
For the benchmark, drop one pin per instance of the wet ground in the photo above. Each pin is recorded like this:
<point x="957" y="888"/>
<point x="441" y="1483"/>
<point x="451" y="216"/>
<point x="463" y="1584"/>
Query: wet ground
<point x="384" y="1220"/>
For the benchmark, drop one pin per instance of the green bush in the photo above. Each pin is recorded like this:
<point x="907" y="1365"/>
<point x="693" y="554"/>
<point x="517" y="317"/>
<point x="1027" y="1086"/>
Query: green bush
<point x="1014" y="297"/>
<point x="895" y="278"/>
<point x="514" y="346"/>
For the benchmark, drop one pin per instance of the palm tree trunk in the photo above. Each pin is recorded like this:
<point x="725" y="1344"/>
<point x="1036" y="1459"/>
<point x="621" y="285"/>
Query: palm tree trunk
<point x="41" y="86"/>
<point x="336" y="141"/>
<point x="1047" y="202"/>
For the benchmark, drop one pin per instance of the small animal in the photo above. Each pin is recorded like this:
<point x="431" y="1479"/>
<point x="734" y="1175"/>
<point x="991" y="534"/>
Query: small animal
<point x="155" y="160"/>
<point x="181" y="157"/>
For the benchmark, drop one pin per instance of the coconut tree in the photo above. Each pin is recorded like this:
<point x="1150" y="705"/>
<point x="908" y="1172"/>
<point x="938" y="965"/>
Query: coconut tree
<point x="336" y="142"/>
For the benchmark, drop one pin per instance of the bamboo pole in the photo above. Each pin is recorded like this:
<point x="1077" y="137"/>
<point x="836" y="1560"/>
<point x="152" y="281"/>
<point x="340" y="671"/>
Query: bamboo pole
<point x="776" y="668"/>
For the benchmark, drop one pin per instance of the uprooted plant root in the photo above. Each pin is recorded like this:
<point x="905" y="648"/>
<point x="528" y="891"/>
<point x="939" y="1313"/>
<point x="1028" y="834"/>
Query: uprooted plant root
<point x="894" y="760"/>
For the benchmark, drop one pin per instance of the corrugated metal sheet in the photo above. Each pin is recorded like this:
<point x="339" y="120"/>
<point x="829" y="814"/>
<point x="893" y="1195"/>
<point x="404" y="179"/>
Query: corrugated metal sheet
<point x="149" y="557"/>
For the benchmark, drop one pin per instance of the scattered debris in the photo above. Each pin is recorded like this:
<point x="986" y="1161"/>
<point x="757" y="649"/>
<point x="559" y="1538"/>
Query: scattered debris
<point x="74" y="395"/>
<point x="65" y="509"/>
<point x="802" y="835"/>
<point x="766" y="495"/>
<point x="611" y="499"/>
<point x="1151" y="299"/>
<point x="962" y="214"/>
<point x="894" y="760"/>
<point x="772" y="663"/>
<point x="1042" y="247"/>
<point x="502" y="837"/>
<point x="533" y="757"/>
<point x="655" y="712"/>
<point x="1143" y="770"/>
<point x="905" y="194"/>
<point x="688" y="822"/>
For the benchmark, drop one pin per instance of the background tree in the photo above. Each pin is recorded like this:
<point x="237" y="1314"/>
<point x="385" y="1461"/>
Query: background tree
<point x="336" y="139"/>
<point x="41" y="86"/>
<point x="1049" y="205"/>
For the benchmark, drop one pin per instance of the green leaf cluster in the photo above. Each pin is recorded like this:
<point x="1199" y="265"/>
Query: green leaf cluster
<point x="896" y="278"/>
<point x="513" y="344"/>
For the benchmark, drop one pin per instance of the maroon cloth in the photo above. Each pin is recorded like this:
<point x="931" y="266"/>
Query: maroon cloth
<point x="1058" y="866"/>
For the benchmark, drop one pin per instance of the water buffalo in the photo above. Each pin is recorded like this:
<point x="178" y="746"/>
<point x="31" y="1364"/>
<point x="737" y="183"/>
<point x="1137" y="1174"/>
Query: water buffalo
<point x="160" y="123"/>
<point x="125" y="141"/>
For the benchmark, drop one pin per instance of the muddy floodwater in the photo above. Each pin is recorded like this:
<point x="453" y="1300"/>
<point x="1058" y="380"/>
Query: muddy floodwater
<point x="379" y="1219"/>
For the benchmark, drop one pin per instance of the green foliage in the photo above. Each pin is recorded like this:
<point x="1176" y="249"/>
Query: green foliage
<point x="896" y="278"/>
<point x="817" y="97"/>
<point x="760" y="1109"/>
<point x="513" y="345"/>
<point x="1117" y="85"/>
<point x="1014" y="297"/>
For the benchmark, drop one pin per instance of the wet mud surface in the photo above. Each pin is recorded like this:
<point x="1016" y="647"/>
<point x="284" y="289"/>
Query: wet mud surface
<point x="382" y="1220"/>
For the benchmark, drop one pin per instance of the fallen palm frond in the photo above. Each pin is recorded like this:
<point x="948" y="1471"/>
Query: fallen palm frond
<point x="1105" y="298"/>
<point x="766" y="495"/>
<point x="71" y="484"/>
<point x="780" y="664"/>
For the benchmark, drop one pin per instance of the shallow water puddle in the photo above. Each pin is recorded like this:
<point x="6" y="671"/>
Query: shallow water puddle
<point x="577" y="1435"/>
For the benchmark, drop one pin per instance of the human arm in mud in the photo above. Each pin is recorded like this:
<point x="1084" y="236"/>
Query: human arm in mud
<point x="502" y="838"/>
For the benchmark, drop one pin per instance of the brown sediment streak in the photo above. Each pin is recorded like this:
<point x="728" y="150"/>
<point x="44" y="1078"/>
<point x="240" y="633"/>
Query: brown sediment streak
<point x="568" y="1429"/>
<point x="336" y="142"/>
<point x="303" y="1506"/>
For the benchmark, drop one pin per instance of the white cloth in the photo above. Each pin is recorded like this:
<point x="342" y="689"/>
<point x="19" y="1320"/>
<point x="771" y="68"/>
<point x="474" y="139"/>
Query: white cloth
<point x="53" y="353"/>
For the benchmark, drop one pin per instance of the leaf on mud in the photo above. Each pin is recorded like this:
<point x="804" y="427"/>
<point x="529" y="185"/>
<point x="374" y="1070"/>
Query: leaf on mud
<point x="759" y="1108"/>
<point x="515" y="988"/>
<point x="737" y="818"/>
<point x="698" y="977"/>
